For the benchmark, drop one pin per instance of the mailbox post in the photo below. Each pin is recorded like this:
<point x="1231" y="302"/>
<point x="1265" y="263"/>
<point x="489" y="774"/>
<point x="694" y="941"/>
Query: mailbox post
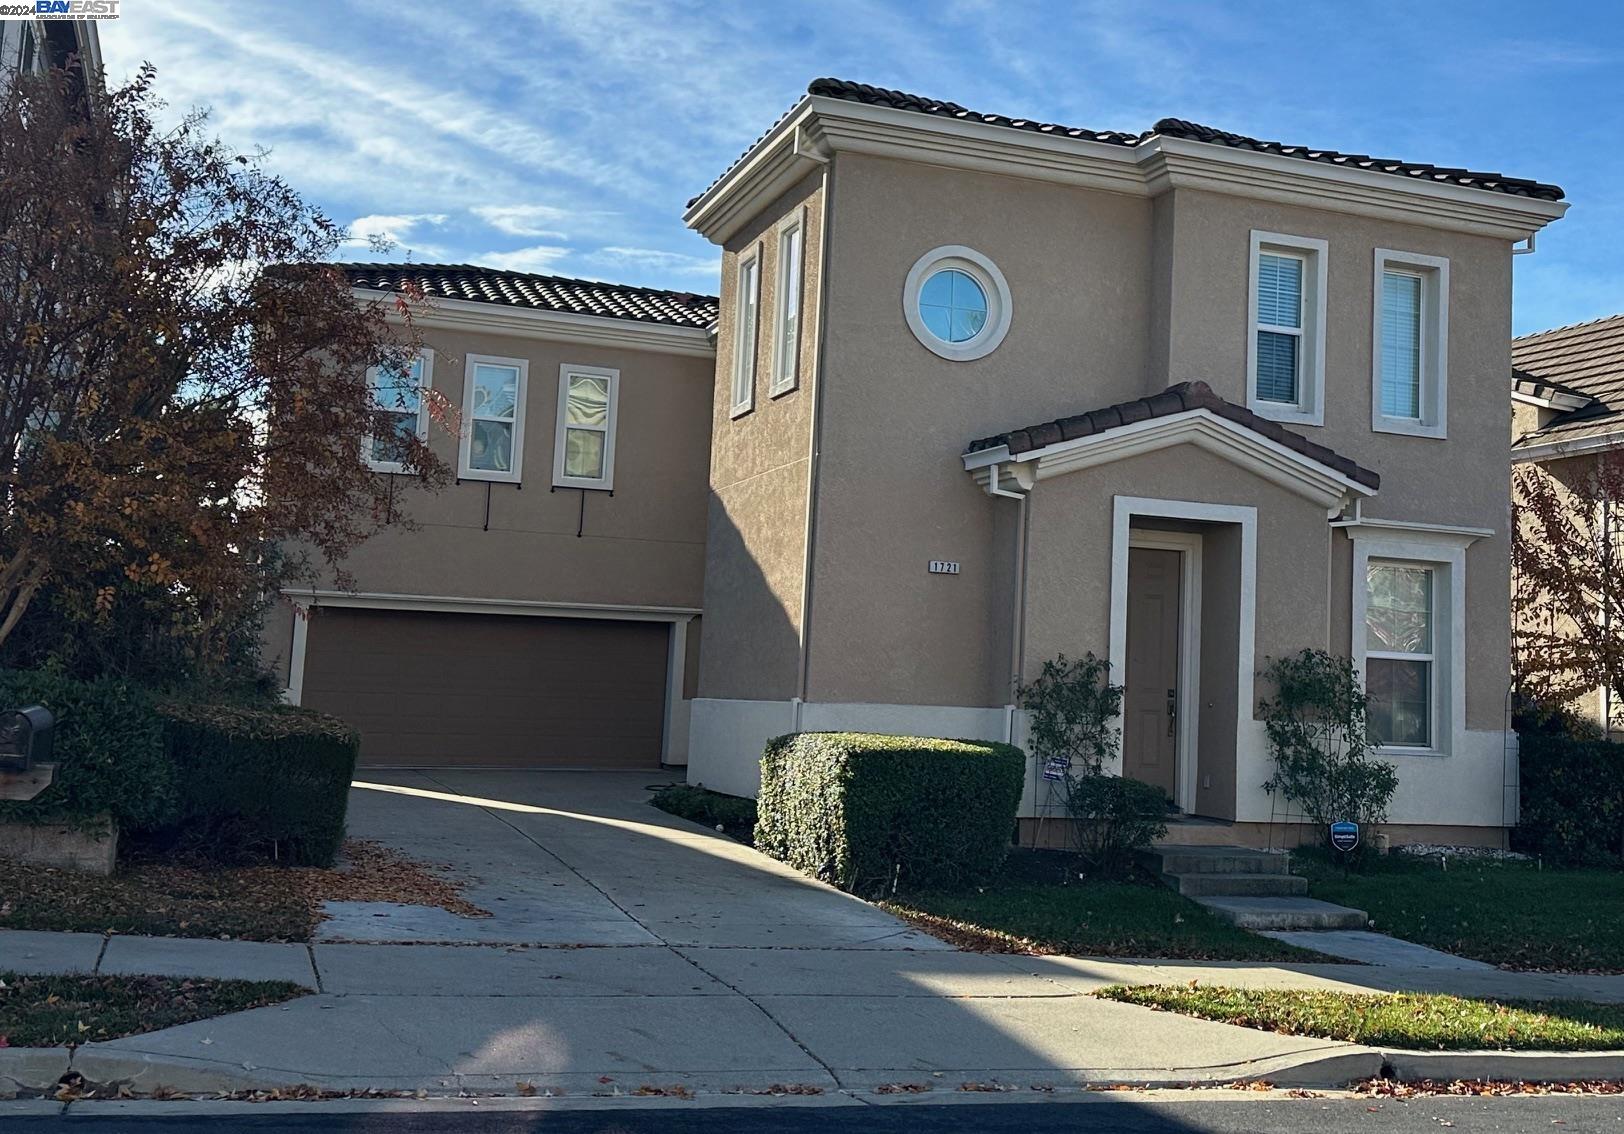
<point x="25" y="752"/>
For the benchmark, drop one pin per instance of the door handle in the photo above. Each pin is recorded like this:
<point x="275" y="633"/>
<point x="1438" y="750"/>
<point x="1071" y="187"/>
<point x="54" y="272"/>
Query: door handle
<point x="1172" y="710"/>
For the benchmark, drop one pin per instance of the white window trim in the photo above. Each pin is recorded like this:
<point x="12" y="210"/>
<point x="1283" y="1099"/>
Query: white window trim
<point x="745" y="363"/>
<point x="787" y="352"/>
<point x="561" y="430"/>
<point x="1000" y="305"/>
<point x="1445" y="555"/>
<point x="425" y="383"/>
<point x="1310" y="406"/>
<point x="464" y="471"/>
<point x="1434" y="273"/>
<point x="1430" y="656"/>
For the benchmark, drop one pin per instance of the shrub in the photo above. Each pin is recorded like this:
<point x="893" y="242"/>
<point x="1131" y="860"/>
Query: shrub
<point x="259" y="781"/>
<point x="1072" y="709"/>
<point x="1572" y="798"/>
<point x="1320" y="742"/>
<point x="108" y="749"/>
<point x="734" y="815"/>
<point x="873" y="813"/>
<point x="1115" y="817"/>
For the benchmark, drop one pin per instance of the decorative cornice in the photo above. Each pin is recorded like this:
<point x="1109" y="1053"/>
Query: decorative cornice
<point x="820" y="126"/>
<point x="1410" y="531"/>
<point x="1202" y="428"/>
<point x="554" y="326"/>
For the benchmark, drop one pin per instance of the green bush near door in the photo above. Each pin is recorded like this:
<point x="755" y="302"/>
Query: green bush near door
<point x="257" y="782"/>
<point x="871" y="813"/>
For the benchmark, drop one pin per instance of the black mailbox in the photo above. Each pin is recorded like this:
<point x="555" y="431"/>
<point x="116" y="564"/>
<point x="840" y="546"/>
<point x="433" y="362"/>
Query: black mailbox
<point x="25" y="738"/>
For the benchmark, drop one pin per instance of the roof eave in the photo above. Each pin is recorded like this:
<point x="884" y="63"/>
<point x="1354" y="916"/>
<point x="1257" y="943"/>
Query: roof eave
<point x="819" y="127"/>
<point x="556" y="326"/>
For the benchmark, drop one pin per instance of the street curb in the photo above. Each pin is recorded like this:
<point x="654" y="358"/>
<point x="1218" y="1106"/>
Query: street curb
<point x="1521" y="1066"/>
<point x="31" y="1070"/>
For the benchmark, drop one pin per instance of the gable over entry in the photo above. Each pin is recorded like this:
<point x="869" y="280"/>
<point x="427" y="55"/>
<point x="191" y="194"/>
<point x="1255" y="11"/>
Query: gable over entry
<point x="1011" y="464"/>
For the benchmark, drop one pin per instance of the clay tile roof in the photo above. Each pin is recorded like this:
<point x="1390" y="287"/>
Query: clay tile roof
<point x="1173" y="400"/>
<point x="542" y="293"/>
<point x="1585" y="360"/>
<point x="1176" y="128"/>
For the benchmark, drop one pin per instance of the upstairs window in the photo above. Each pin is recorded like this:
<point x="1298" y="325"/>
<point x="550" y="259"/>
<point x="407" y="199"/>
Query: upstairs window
<point x="584" y="447"/>
<point x="493" y="409"/>
<point x="397" y="397"/>
<point x="1410" y="344"/>
<point x="747" y="319"/>
<point x="787" y="334"/>
<point x="1286" y="348"/>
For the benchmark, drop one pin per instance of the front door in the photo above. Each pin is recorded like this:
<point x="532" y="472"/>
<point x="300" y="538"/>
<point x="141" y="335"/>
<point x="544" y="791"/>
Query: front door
<point x="1150" y="725"/>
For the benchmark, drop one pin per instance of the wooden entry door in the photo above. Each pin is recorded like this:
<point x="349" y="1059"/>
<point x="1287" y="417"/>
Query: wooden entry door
<point x="1150" y="698"/>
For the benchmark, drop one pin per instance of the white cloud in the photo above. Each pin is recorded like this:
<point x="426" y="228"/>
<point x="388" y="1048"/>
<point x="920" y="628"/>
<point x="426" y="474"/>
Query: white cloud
<point x="541" y="258"/>
<point x="386" y="229"/>
<point x="677" y="263"/>
<point x="524" y="220"/>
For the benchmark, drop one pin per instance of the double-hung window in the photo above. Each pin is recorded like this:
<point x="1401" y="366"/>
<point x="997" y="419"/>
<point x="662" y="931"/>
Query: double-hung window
<point x="493" y="412"/>
<point x="584" y="447"/>
<point x="400" y="412"/>
<point x="1286" y="347"/>
<point x="746" y="324"/>
<point x="787" y="299"/>
<point x="1401" y="673"/>
<point x="1410" y="344"/>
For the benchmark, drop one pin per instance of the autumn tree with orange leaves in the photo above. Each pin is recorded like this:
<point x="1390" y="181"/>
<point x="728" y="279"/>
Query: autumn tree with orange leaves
<point x="182" y="378"/>
<point x="1567" y="558"/>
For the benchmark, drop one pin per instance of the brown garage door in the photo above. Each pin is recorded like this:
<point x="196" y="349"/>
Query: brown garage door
<point x="493" y="690"/>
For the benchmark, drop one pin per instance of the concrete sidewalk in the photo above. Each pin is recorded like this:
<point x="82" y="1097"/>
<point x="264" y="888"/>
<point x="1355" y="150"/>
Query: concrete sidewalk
<point x="632" y="951"/>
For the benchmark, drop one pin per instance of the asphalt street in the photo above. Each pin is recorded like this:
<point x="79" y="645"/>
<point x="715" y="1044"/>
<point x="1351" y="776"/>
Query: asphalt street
<point x="1097" y="1113"/>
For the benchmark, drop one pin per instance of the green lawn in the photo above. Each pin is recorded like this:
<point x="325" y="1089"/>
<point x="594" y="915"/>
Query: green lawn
<point x="1037" y="904"/>
<point x="1509" y="914"/>
<point x="62" y="1011"/>
<point x="1407" y="1020"/>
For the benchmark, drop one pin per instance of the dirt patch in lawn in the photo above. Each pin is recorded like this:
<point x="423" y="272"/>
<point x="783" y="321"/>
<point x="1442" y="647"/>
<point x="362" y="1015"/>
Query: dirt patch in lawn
<point x="165" y="898"/>
<point x="65" y="1011"/>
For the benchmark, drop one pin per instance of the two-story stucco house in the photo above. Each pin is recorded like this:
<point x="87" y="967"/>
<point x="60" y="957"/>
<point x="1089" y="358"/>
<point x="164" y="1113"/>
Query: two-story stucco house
<point x="987" y="390"/>
<point x="1182" y="398"/>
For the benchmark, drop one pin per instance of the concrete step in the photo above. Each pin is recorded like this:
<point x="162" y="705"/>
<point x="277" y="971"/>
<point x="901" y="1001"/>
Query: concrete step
<point x="1283" y="913"/>
<point x="1216" y="860"/>
<point x="1238" y="885"/>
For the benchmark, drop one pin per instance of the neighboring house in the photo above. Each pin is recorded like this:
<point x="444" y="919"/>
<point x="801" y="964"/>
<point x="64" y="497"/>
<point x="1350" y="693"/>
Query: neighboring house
<point x="38" y="45"/>
<point x="1567" y="393"/>
<point x="542" y="610"/>
<point x="974" y="447"/>
<point x="988" y="390"/>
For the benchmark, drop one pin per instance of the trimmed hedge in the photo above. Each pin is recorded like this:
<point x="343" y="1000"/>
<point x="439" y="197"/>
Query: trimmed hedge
<point x="108" y="748"/>
<point x="872" y="813"/>
<point x="1572" y="798"/>
<point x="259" y="781"/>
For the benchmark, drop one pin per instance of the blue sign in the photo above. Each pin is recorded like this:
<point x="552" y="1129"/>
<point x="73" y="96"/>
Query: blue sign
<point x="1056" y="768"/>
<point x="1344" y="836"/>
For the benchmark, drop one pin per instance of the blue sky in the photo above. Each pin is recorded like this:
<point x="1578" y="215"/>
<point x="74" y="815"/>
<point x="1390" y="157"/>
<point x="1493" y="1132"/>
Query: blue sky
<point x="565" y="136"/>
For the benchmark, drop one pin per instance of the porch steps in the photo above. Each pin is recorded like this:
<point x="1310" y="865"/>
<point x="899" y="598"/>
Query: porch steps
<point x="1252" y="889"/>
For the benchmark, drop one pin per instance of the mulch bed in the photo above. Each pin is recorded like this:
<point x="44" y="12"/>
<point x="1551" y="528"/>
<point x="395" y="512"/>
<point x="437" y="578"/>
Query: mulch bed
<point x="168" y="898"/>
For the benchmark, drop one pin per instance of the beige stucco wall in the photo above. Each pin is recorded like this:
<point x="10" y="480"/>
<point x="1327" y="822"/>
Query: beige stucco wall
<point x="643" y="545"/>
<point x="1462" y="480"/>
<point x="892" y="495"/>
<point x="759" y="474"/>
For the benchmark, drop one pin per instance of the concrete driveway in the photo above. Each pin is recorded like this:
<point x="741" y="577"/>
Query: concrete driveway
<point x="581" y="858"/>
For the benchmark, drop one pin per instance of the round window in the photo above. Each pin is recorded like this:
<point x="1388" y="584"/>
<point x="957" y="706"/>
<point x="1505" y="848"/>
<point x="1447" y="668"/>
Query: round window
<point x="957" y="303"/>
<point x="953" y="306"/>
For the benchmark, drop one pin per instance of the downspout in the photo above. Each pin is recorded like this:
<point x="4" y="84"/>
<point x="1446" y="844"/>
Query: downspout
<point x="815" y="438"/>
<point x="1017" y="635"/>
